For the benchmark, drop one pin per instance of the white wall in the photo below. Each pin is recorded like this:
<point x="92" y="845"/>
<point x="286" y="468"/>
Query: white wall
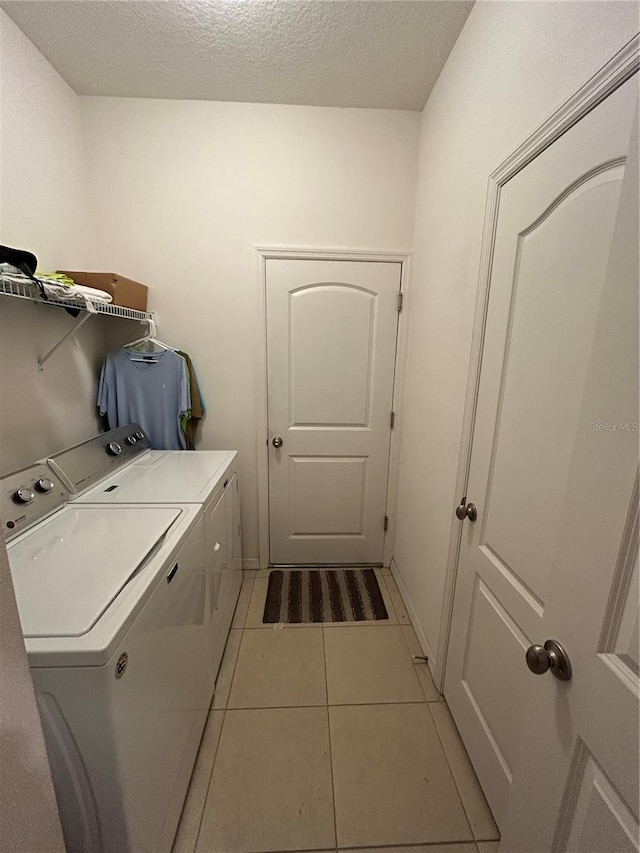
<point x="512" y="66"/>
<point x="43" y="208"/>
<point x="182" y="191"/>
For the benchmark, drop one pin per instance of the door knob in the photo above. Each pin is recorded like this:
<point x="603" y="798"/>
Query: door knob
<point x="277" y="441"/>
<point x="466" y="510"/>
<point x="550" y="656"/>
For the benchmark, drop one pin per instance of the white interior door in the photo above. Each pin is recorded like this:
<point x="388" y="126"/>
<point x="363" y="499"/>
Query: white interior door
<point x="554" y="495"/>
<point x="331" y="341"/>
<point x="585" y="772"/>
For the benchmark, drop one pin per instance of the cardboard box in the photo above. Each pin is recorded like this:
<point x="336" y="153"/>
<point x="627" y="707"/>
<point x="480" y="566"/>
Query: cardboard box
<point x="125" y="292"/>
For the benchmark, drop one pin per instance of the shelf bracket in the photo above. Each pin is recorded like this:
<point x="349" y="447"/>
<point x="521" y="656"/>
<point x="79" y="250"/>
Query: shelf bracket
<point x="74" y="329"/>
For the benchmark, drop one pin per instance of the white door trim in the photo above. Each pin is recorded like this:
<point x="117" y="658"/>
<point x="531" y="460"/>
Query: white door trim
<point x="264" y="253"/>
<point x="612" y="75"/>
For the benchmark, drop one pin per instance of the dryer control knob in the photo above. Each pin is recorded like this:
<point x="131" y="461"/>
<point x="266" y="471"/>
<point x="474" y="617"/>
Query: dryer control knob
<point x="140" y="435"/>
<point x="44" y="484"/>
<point x="24" y="495"/>
<point x="132" y="439"/>
<point x="114" y="448"/>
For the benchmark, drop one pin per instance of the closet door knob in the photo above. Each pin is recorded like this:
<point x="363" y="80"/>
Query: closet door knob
<point x="466" y="510"/>
<point x="277" y="441"/>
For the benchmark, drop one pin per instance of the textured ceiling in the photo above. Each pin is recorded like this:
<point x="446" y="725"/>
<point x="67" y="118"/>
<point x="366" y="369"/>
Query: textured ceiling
<point x="353" y="53"/>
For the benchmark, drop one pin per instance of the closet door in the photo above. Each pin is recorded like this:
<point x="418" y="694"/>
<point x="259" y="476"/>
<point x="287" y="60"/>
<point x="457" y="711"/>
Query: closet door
<point x="550" y="538"/>
<point x="331" y="344"/>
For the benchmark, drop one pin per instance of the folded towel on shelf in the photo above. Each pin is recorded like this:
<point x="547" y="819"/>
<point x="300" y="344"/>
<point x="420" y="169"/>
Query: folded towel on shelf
<point x="58" y="287"/>
<point x="94" y="293"/>
<point x="74" y="292"/>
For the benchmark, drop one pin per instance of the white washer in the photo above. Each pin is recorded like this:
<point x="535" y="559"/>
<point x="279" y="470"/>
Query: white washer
<point x="114" y="610"/>
<point x="118" y="467"/>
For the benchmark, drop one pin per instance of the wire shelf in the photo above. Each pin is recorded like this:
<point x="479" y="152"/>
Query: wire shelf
<point x="29" y="290"/>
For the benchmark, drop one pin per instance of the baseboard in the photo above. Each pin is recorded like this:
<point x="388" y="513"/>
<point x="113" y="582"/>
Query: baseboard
<point x="250" y="564"/>
<point x="413" y="615"/>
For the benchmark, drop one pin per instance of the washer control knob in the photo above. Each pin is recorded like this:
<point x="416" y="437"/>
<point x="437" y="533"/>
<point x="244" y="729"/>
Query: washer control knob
<point x="132" y="439"/>
<point x="24" y="495"/>
<point x="45" y="485"/>
<point x="140" y="435"/>
<point x="114" y="448"/>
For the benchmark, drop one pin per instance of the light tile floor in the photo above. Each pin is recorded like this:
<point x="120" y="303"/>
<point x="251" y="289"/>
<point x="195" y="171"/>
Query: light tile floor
<point x="330" y="738"/>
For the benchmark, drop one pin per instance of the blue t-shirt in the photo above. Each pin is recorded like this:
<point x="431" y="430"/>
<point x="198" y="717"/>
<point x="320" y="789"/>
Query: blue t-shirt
<point x="154" y="394"/>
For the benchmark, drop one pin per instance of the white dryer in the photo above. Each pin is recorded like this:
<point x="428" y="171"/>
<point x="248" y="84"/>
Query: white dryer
<point x="118" y="468"/>
<point x="114" y="606"/>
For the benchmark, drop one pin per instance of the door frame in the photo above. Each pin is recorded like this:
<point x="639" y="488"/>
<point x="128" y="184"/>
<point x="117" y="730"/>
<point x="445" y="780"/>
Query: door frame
<point x="263" y="254"/>
<point x="623" y="65"/>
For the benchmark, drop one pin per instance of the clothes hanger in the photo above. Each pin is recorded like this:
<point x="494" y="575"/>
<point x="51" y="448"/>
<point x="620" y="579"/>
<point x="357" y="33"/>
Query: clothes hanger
<point x="149" y="338"/>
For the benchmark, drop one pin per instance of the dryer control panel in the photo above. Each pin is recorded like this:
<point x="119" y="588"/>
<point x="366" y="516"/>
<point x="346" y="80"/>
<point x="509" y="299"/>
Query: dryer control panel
<point x="82" y="466"/>
<point x="27" y="495"/>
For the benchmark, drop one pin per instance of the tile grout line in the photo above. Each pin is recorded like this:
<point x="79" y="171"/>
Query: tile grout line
<point x="333" y="792"/>
<point x="428" y="703"/>
<point x="410" y="624"/>
<point x="416" y="664"/>
<point x="435" y="844"/>
<point x="246" y="615"/>
<point x="464" y="807"/>
<point x="387" y="586"/>
<point x="224" y="717"/>
<point x="325" y="705"/>
<point x="235" y="663"/>
<point x="206" y="796"/>
<point x="453" y="775"/>
<point x="299" y="850"/>
<point x="388" y="600"/>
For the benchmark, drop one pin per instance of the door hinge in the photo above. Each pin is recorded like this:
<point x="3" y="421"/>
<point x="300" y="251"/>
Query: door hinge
<point x="400" y="300"/>
<point x="386" y="522"/>
<point x="392" y="420"/>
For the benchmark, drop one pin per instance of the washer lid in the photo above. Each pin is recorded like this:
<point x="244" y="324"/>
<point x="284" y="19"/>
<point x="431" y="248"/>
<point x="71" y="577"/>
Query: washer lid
<point x="68" y="570"/>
